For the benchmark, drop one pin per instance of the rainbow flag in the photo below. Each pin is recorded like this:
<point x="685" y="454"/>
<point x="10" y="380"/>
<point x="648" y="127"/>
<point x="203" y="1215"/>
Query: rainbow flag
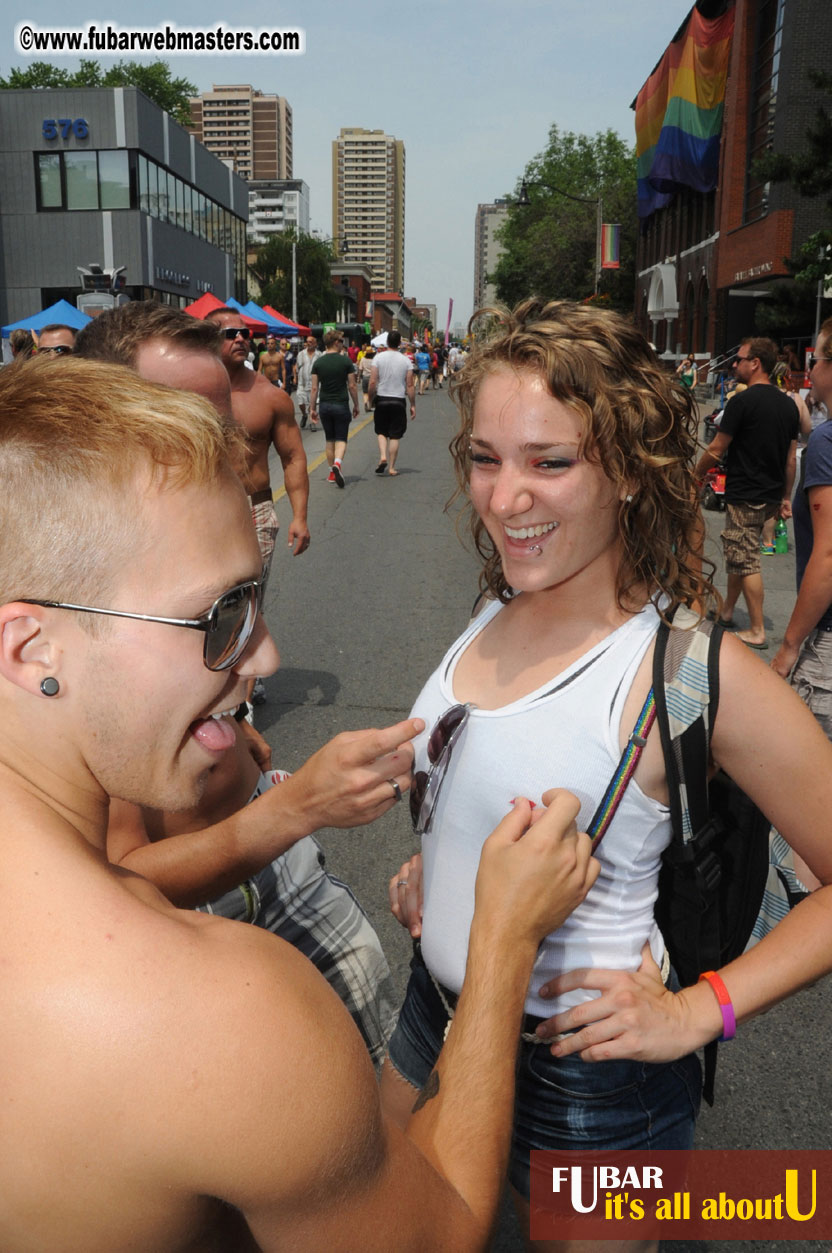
<point x="679" y="113"/>
<point x="610" y="246"/>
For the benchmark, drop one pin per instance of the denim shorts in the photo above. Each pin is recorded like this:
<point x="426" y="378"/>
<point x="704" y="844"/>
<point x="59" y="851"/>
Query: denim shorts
<point x="562" y="1102"/>
<point x="812" y="676"/>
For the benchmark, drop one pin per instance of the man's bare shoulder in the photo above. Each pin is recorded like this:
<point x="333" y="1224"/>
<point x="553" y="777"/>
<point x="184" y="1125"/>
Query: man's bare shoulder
<point x="193" y="1056"/>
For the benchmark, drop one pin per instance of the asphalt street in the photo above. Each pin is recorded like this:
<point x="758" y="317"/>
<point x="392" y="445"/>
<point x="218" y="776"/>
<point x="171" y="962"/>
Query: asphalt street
<point x="362" y="618"/>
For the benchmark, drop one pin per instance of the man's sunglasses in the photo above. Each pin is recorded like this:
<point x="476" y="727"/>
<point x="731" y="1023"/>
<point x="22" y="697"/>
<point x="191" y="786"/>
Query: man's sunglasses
<point x="426" y="785"/>
<point x="228" y="625"/>
<point x="60" y="349"/>
<point x="231" y="332"/>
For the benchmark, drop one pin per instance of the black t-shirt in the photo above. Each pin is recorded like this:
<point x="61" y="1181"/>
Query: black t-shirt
<point x="762" y="422"/>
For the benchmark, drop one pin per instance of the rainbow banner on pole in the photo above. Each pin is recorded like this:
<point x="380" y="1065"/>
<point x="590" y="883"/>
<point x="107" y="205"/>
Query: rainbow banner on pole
<point x="679" y="113"/>
<point x="610" y="246"/>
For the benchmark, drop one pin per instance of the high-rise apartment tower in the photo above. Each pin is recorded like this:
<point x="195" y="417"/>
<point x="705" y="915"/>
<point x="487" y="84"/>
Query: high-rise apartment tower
<point x="250" y="131"/>
<point x="368" y="203"/>
<point x="487" y="250"/>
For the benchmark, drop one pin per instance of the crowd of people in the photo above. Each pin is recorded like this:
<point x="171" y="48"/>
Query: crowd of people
<point x="219" y="1092"/>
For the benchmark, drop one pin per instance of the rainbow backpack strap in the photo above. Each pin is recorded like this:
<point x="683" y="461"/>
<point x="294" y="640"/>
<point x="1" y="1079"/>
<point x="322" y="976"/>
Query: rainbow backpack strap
<point x="625" y="770"/>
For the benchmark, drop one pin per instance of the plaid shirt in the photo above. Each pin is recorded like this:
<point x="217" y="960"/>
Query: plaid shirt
<point x="295" y="898"/>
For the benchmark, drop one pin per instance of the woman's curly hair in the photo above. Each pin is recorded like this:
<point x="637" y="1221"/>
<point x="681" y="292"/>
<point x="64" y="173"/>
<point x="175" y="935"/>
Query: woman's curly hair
<point x="639" y="425"/>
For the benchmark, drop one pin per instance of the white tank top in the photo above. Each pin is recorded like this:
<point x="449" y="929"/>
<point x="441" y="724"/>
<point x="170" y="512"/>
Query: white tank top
<point x="565" y="734"/>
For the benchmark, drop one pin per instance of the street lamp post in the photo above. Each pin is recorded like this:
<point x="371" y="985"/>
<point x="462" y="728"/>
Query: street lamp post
<point x="294" y="279"/>
<point x="523" y="200"/>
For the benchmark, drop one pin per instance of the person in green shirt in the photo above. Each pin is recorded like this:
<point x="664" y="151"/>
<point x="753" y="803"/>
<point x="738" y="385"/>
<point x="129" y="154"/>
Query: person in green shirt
<point x="333" y="378"/>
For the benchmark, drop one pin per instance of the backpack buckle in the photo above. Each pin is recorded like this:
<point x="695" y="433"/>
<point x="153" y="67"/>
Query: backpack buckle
<point x="707" y="871"/>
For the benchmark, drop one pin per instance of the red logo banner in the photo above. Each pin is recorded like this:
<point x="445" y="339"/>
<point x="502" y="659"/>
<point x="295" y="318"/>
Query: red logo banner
<point x="704" y="1194"/>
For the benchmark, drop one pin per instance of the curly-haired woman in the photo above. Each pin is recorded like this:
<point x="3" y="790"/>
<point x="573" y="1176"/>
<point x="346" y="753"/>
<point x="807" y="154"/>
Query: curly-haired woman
<point x="575" y="456"/>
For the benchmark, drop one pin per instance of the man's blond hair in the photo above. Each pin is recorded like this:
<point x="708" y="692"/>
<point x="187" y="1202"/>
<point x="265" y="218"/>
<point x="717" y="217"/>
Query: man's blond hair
<point x="80" y="442"/>
<point x="117" y="334"/>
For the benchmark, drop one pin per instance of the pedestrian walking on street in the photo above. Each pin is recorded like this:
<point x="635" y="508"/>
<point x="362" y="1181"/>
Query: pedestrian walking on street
<point x="333" y="376"/>
<point x="303" y="373"/>
<point x="391" y="390"/>
<point x="365" y="368"/>
<point x="757" y="436"/>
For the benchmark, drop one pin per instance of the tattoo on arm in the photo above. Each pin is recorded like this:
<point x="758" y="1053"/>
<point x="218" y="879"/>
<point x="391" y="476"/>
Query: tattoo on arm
<point x="429" y="1091"/>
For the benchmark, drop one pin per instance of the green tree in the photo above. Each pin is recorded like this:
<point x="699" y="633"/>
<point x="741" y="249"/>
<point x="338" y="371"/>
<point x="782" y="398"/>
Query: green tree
<point x="317" y="298"/>
<point x="154" y="79"/>
<point x="550" y="245"/>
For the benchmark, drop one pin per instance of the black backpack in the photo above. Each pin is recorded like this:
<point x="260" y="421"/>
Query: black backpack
<point x="714" y="871"/>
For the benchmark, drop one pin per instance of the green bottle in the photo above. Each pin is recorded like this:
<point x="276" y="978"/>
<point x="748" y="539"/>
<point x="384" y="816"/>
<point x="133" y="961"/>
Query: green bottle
<point x="781" y="537"/>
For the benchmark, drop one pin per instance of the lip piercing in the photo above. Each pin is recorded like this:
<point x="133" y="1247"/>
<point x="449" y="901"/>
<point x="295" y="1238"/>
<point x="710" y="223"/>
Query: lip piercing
<point x="536" y="548"/>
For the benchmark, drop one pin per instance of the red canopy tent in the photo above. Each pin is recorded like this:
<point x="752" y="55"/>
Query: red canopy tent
<point x="208" y="302"/>
<point x="303" y="330"/>
<point x="202" y="307"/>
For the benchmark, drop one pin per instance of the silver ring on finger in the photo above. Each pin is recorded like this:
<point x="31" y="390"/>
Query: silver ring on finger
<point x="402" y="883"/>
<point x="397" y="791"/>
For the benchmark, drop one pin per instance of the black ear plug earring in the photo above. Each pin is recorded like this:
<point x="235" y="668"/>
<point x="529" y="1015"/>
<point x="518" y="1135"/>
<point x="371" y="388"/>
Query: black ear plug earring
<point x="50" y="686"/>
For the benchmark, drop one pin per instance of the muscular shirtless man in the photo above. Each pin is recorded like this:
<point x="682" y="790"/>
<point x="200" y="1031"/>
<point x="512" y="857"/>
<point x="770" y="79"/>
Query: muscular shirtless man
<point x="267" y="417"/>
<point x="271" y="364"/>
<point x="262" y="1129"/>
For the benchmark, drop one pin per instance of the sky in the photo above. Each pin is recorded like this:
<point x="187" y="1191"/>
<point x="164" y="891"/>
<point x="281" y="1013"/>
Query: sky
<point x="471" y="87"/>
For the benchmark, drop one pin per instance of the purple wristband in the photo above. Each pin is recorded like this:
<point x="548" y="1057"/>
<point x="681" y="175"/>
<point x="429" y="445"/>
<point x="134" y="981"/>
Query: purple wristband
<point x="729" y="1021"/>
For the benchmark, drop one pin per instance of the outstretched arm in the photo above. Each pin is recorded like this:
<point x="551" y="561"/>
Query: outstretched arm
<point x="288" y="444"/>
<point x="197" y="856"/>
<point x="311" y="1162"/>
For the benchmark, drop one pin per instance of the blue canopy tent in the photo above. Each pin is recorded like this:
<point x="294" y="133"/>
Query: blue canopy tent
<point x="61" y="311"/>
<point x="275" y="327"/>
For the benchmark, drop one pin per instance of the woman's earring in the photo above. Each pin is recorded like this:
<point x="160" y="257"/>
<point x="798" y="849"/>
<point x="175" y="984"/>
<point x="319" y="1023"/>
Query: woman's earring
<point x="629" y="498"/>
<point x="50" y="686"/>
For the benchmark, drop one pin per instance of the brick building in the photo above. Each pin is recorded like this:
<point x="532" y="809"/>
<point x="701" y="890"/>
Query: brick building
<point x="706" y="258"/>
<point x="250" y="130"/>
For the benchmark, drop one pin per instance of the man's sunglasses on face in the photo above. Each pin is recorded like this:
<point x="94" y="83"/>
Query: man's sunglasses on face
<point x="228" y="625"/>
<point x="231" y="332"/>
<point x="60" y="349"/>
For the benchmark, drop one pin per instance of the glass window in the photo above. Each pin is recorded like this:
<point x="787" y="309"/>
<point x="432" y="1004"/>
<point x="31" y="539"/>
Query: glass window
<point x="49" y="176"/>
<point x="157" y="190"/>
<point x="161" y="197"/>
<point x="144" y="188"/>
<point x="201" y="225"/>
<point x="171" y="203"/>
<point x="114" y="179"/>
<point x="188" y="211"/>
<point x="180" y="202"/>
<point x="81" y="180"/>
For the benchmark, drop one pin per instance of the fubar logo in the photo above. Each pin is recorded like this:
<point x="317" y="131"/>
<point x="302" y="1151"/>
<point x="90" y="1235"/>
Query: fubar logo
<point x="696" y="1195"/>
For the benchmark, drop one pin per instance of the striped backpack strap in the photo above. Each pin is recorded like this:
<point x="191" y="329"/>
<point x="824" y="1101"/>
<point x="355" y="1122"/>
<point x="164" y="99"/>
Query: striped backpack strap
<point x="686" y="683"/>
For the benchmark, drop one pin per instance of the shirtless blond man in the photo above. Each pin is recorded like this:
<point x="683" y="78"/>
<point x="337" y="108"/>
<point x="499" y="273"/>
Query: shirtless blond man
<point x="267" y="417"/>
<point x="255" y="862"/>
<point x="272" y="363"/>
<point x="263" y="1129"/>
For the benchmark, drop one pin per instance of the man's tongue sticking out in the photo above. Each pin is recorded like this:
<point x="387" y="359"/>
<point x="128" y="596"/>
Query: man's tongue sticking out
<point x="215" y="734"/>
